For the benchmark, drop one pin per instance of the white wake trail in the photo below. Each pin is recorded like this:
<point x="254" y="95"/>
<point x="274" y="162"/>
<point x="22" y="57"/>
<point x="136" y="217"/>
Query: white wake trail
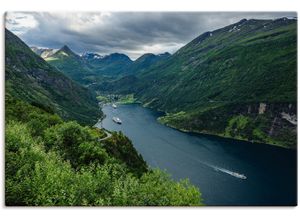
<point x="218" y="169"/>
<point x="232" y="173"/>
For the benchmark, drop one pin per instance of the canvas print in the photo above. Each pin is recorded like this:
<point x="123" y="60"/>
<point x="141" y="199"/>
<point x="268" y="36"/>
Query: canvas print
<point x="150" y="109"/>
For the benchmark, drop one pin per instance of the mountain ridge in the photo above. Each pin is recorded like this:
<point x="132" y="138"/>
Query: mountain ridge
<point x="249" y="63"/>
<point x="32" y="79"/>
<point x="88" y="67"/>
<point x="243" y="65"/>
<point x="43" y="52"/>
<point x="70" y="63"/>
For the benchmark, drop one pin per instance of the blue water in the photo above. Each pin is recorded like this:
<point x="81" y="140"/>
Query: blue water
<point x="227" y="172"/>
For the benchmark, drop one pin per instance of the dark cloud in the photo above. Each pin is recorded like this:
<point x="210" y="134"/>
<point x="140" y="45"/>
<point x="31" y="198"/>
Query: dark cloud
<point x="132" y="33"/>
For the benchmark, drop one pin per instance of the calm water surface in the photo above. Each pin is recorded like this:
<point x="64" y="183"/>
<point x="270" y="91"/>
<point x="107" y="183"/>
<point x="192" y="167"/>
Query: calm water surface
<point x="227" y="172"/>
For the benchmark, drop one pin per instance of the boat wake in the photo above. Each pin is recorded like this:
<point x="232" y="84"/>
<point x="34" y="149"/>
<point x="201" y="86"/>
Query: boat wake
<point x="218" y="169"/>
<point x="235" y="174"/>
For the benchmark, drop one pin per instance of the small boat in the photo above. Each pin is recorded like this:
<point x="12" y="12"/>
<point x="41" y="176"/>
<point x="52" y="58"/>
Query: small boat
<point x="235" y="174"/>
<point x="114" y="105"/>
<point x="117" y="120"/>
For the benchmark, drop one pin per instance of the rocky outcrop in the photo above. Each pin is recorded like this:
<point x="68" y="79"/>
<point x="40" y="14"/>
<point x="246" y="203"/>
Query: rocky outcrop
<point x="262" y="108"/>
<point x="271" y="123"/>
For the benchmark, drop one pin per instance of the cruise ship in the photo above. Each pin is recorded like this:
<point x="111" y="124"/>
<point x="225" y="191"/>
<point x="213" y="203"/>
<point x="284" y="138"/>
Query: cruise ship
<point x="117" y="120"/>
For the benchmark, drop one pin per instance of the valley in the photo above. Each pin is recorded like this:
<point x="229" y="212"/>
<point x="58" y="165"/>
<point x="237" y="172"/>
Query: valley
<point x="55" y="157"/>
<point x="212" y="123"/>
<point x="214" y="85"/>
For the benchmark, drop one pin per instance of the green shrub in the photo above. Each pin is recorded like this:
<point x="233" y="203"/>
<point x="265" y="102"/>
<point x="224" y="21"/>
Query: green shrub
<point x="67" y="165"/>
<point x="74" y="143"/>
<point x="121" y="148"/>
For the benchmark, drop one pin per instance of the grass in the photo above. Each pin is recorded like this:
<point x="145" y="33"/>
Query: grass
<point x="127" y="99"/>
<point x="102" y="99"/>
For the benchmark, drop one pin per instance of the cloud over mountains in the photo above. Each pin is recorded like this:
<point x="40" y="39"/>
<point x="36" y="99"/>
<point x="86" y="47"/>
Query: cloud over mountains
<point x="132" y="33"/>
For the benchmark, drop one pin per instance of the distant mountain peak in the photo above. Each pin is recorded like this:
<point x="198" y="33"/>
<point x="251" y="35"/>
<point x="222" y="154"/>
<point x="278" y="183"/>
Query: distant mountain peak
<point x="65" y="49"/>
<point x="153" y="56"/>
<point x="242" y="21"/>
<point x="147" y="55"/>
<point x="91" y="56"/>
<point x="118" y="56"/>
<point x="43" y="52"/>
<point x="164" y="54"/>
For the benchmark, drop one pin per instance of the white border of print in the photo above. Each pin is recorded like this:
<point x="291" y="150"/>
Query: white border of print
<point x="223" y="213"/>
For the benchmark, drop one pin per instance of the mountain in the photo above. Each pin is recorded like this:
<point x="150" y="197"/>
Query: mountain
<point x="239" y="81"/>
<point x="71" y="64"/>
<point x="28" y="77"/>
<point x="117" y="64"/>
<point x="91" y="56"/>
<point x="45" y="155"/>
<point x="43" y="52"/>
<point x="145" y="61"/>
<point x="90" y="67"/>
<point x="110" y="65"/>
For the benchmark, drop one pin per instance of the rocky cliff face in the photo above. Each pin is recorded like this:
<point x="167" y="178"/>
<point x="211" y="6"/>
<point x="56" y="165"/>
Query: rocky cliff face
<point x="43" y="52"/>
<point x="272" y="123"/>
<point x="276" y="123"/>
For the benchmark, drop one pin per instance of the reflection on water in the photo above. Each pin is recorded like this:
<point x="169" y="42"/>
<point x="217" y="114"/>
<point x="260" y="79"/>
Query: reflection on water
<point x="228" y="172"/>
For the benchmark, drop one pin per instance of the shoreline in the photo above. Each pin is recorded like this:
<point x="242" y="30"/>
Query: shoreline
<point x="198" y="132"/>
<point x="226" y="138"/>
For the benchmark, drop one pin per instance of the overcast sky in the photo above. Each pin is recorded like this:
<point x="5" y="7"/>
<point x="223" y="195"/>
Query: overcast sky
<point x="132" y="33"/>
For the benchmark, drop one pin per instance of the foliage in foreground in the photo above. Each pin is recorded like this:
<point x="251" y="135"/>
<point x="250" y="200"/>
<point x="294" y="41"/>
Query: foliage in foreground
<point x="49" y="162"/>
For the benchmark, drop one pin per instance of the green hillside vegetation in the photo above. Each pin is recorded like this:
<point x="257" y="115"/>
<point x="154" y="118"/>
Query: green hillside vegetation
<point x="114" y="65"/>
<point x="146" y="61"/>
<point x="91" y="68"/>
<point x="87" y="70"/>
<point x="71" y="64"/>
<point x="258" y="63"/>
<point x="53" y="162"/>
<point x="28" y="77"/>
<point x="49" y="162"/>
<point x="220" y="75"/>
<point x="121" y="82"/>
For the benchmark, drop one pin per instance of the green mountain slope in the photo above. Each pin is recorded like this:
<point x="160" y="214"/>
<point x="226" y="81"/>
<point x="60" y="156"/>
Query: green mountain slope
<point x="251" y="63"/>
<point x="70" y="64"/>
<point x="90" y="67"/>
<point x="236" y="70"/>
<point x="114" y="64"/>
<point x="122" y="83"/>
<point x="52" y="162"/>
<point x="28" y="77"/>
<point x="146" y="61"/>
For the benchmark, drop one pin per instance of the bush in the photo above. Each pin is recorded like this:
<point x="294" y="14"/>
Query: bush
<point x="40" y="122"/>
<point x="67" y="165"/>
<point x="90" y="152"/>
<point x="75" y="143"/>
<point x="121" y="148"/>
<point x="155" y="189"/>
